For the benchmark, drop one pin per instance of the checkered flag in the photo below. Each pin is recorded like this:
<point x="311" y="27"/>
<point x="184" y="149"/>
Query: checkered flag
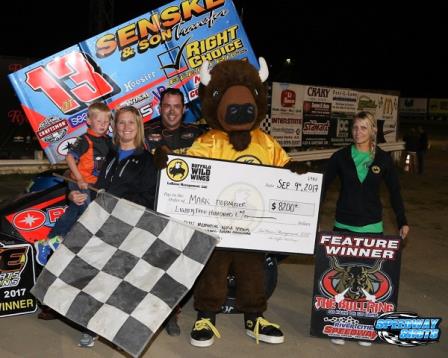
<point x="265" y="125"/>
<point x="122" y="269"/>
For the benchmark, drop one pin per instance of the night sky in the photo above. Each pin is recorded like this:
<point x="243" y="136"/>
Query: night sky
<point x="373" y="46"/>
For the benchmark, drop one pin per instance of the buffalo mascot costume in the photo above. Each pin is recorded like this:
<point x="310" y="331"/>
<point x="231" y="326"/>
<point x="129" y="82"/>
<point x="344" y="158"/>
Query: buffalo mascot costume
<point x="234" y="102"/>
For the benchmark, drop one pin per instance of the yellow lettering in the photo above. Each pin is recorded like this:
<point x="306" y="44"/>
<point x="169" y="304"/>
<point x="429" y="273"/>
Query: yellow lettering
<point x="170" y="16"/>
<point x="212" y="42"/>
<point x="126" y="36"/>
<point x="188" y="8"/>
<point x="143" y="45"/>
<point x="146" y="27"/>
<point x="14" y="305"/>
<point x="211" y="4"/>
<point x="105" y="46"/>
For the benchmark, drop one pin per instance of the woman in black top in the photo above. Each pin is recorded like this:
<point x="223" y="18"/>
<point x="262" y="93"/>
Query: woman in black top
<point x="361" y="167"/>
<point x="128" y="173"/>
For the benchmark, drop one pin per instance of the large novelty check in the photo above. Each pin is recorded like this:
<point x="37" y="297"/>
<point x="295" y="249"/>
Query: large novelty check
<point x="248" y="206"/>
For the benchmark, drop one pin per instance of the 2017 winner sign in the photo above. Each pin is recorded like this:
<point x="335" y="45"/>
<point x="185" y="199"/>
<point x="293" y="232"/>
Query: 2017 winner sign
<point x="250" y="207"/>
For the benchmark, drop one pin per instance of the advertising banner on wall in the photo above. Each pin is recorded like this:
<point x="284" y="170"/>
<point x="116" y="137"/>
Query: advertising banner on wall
<point x="368" y="102"/>
<point x="387" y="112"/>
<point x="438" y="108"/>
<point x="344" y="100"/>
<point x="344" y="106"/>
<point x="130" y="64"/>
<point x="355" y="280"/>
<point x="340" y="129"/>
<point x="287" y="113"/>
<point x="413" y="107"/>
<point x="316" y="116"/>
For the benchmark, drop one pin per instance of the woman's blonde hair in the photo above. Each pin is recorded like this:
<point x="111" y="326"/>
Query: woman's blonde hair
<point x="139" y="140"/>
<point x="371" y="126"/>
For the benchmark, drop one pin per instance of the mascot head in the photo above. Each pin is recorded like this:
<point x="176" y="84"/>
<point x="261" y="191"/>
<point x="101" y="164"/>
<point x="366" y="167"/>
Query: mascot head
<point x="234" y="98"/>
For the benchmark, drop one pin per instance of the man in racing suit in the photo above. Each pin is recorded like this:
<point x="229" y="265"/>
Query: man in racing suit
<point x="169" y="130"/>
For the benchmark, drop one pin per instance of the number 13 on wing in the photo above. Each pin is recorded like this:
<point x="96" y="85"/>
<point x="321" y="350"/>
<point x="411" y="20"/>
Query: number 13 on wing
<point x="55" y="93"/>
<point x="70" y="81"/>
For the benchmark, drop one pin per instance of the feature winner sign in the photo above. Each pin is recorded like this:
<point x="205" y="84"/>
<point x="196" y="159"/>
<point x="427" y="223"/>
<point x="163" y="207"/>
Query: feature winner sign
<point x="355" y="281"/>
<point x="16" y="280"/>
<point x="129" y="65"/>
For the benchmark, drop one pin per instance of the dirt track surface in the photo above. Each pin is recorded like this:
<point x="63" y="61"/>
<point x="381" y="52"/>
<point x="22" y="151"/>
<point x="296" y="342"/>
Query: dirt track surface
<point x="423" y="289"/>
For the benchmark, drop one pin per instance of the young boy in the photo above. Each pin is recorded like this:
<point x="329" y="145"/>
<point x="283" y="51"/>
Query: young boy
<point x="85" y="158"/>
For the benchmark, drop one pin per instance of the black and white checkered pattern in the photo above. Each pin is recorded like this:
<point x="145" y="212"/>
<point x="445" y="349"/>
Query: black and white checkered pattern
<point x="394" y="339"/>
<point x="122" y="269"/>
<point x="265" y="125"/>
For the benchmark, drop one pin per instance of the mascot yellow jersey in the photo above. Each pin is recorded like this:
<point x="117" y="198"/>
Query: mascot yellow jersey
<point x="263" y="149"/>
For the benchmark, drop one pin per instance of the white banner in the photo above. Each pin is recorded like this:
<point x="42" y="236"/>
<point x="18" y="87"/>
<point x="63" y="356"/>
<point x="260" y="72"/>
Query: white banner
<point x="318" y="94"/>
<point x="287" y="99"/>
<point x="344" y="100"/>
<point x="250" y="207"/>
<point x="287" y="114"/>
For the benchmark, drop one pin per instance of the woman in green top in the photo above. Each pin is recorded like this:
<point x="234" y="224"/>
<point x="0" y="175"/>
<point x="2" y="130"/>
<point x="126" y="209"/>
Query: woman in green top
<point x="361" y="168"/>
